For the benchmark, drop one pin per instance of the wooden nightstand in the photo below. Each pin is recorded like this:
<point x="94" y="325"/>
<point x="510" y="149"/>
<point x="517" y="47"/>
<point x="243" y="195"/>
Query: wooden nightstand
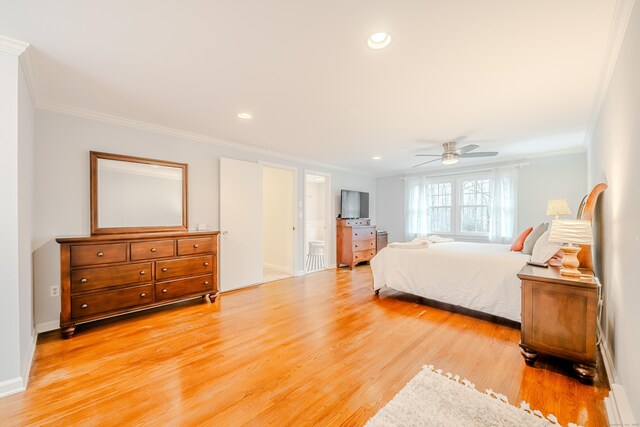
<point x="559" y="316"/>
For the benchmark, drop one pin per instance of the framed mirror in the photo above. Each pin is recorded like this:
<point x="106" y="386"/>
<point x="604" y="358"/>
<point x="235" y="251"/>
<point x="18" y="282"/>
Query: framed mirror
<point x="134" y="194"/>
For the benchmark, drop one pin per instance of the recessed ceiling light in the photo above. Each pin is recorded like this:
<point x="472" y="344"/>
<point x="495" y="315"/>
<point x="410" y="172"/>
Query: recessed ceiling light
<point x="379" y="40"/>
<point x="377" y="157"/>
<point x="245" y="115"/>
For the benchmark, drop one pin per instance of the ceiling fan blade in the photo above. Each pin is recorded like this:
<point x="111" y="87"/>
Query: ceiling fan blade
<point x="430" y="161"/>
<point x="466" y="149"/>
<point x="480" y="154"/>
<point x="428" y="155"/>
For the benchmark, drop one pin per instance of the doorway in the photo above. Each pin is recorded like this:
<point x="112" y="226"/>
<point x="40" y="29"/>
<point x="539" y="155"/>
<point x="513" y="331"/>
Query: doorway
<point x="278" y="222"/>
<point x="317" y="208"/>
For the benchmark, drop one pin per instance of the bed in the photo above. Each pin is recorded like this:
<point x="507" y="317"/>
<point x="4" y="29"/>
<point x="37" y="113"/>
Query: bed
<point x="476" y="276"/>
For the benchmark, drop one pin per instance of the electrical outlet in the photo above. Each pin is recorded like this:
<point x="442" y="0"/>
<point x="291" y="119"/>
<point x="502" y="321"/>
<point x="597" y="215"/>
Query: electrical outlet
<point x="54" y="291"/>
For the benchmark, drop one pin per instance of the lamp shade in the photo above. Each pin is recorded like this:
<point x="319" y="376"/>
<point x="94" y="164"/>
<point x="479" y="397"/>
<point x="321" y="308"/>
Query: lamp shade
<point x="573" y="231"/>
<point x="558" y="207"/>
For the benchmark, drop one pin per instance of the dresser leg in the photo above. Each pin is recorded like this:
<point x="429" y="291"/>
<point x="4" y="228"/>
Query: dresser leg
<point x="212" y="297"/>
<point x="68" y="330"/>
<point x="377" y="291"/>
<point x="585" y="373"/>
<point x="529" y="355"/>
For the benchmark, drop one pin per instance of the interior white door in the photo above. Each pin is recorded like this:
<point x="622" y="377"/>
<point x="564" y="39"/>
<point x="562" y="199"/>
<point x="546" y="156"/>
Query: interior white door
<point x="240" y="224"/>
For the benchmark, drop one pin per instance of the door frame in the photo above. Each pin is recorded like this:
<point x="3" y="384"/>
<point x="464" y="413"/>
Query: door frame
<point x="328" y="240"/>
<point x="296" y="199"/>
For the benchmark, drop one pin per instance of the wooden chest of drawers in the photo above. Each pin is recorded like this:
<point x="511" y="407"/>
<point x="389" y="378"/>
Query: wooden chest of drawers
<point x="103" y="276"/>
<point x="356" y="241"/>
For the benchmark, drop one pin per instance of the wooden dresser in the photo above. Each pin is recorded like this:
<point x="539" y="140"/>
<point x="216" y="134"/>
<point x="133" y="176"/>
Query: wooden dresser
<point x="107" y="275"/>
<point x="559" y="316"/>
<point x="355" y="241"/>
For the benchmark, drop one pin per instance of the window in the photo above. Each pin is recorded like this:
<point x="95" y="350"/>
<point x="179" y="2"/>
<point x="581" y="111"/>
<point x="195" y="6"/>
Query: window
<point x="474" y="206"/>
<point x="439" y="207"/>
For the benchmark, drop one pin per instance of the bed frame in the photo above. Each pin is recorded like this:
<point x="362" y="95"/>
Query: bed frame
<point x="587" y="211"/>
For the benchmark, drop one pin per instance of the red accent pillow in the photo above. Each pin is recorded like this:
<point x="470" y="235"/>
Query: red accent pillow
<point x="518" y="244"/>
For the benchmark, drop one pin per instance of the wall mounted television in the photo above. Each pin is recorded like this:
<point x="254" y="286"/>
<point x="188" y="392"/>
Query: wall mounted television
<point x="354" y="204"/>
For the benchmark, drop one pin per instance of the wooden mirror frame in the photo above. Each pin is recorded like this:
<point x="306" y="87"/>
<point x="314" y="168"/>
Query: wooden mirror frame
<point x="94" y="156"/>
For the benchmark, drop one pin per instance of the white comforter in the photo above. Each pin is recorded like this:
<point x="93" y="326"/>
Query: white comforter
<point x="479" y="276"/>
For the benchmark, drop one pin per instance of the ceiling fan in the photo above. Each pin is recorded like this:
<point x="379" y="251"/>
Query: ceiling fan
<point x="451" y="154"/>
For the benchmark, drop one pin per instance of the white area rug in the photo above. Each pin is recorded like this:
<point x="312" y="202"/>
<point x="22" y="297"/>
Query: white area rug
<point x="433" y="398"/>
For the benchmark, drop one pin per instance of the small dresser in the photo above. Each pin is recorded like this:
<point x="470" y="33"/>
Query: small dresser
<point x="355" y="241"/>
<point x="107" y="275"/>
<point x="559" y="318"/>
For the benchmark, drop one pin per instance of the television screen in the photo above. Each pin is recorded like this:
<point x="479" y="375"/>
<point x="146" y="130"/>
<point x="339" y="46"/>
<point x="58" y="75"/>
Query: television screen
<point x="354" y="204"/>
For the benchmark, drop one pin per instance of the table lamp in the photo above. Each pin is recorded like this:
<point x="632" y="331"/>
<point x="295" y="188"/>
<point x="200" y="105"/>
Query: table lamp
<point x="558" y="207"/>
<point x="573" y="233"/>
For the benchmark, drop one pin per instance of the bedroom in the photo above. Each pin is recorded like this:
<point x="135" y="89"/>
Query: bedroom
<point x="558" y="100"/>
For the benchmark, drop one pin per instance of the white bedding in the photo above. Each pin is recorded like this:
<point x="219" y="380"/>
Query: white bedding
<point x="479" y="276"/>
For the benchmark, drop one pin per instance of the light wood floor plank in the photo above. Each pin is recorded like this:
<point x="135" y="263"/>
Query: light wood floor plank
<point x="315" y="350"/>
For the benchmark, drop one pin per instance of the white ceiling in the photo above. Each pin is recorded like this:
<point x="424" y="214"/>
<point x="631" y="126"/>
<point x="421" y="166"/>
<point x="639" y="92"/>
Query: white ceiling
<point x="520" y="75"/>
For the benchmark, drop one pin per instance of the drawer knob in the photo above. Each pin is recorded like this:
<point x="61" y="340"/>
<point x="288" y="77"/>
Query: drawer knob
<point x="143" y="295"/>
<point x="83" y="280"/>
<point x="164" y="291"/>
<point x="142" y="273"/>
<point x="83" y="306"/>
<point x="206" y="282"/>
<point x="195" y="246"/>
<point x="356" y="256"/>
<point x="153" y="249"/>
<point x="100" y="254"/>
<point x="206" y="264"/>
<point x="164" y="269"/>
<point x="356" y="234"/>
<point x="356" y="246"/>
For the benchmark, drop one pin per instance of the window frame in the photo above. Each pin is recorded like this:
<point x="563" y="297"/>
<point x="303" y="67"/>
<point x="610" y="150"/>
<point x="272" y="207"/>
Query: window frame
<point x="456" y="204"/>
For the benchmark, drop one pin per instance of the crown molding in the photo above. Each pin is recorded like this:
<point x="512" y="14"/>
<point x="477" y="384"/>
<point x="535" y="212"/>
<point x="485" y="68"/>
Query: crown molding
<point x="150" y="127"/>
<point x="12" y="46"/>
<point x="617" y="30"/>
<point x="26" y="59"/>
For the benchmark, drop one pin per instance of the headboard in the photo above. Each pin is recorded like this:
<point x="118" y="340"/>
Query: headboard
<point x="587" y="211"/>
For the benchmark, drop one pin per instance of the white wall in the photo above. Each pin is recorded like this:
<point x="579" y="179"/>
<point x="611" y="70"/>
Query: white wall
<point x="556" y="177"/>
<point x="26" y="196"/>
<point x="613" y="158"/>
<point x="278" y="221"/>
<point x="63" y="143"/>
<point x="16" y="145"/>
<point x="545" y="178"/>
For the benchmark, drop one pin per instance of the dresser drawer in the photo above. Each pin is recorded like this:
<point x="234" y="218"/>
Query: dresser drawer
<point x="364" y="233"/>
<point x="361" y="245"/>
<point x="152" y="250"/>
<point x="203" y="245"/>
<point x="361" y="256"/>
<point x="101" y="277"/>
<point x="102" y="302"/>
<point x="184" y="267"/>
<point x="98" y="254"/>
<point x="181" y="287"/>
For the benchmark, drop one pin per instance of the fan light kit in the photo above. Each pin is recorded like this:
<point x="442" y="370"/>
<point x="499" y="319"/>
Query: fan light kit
<point x="379" y="40"/>
<point x="451" y="155"/>
<point x="377" y="157"/>
<point x="245" y="116"/>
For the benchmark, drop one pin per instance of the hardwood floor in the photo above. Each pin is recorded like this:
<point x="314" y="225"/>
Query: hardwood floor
<point x="315" y="350"/>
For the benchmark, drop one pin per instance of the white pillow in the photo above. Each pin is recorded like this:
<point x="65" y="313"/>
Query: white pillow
<point x="544" y="249"/>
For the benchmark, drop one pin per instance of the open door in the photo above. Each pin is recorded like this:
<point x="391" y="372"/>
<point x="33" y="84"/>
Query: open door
<point x="240" y="224"/>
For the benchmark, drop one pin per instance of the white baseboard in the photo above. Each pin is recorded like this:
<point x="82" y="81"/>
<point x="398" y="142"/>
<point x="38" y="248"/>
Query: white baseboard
<point x="616" y="404"/>
<point x="47" y="326"/>
<point x="277" y="268"/>
<point x="19" y="384"/>
<point x="27" y="363"/>
<point x="12" y="386"/>
<point x="300" y="273"/>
